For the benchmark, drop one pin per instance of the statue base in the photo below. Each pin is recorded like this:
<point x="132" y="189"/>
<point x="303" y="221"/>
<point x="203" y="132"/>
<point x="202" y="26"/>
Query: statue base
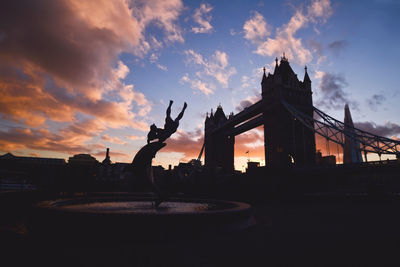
<point x="136" y="218"/>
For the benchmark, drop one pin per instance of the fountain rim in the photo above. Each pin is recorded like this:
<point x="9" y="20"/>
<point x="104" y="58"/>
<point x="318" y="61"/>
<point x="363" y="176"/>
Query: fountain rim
<point x="231" y="207"/>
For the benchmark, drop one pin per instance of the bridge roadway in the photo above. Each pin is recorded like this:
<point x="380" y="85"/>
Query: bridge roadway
<point x="245" y="120"/>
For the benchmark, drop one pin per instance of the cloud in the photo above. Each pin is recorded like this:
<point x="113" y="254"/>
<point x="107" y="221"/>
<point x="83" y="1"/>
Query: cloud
<point x="203" y="17"/>
<point x="389" y="129"/>
<point x="153" y="58"/>
<point x="337" y="46"/>
<point x="256" y="28"/>
<point x="252" y="141"/>
<point x="252" y="81"/>
<point x="319" y="74"/>
<point x="320" y="10"/>
<point x="245" y="81"/>
<point x="135" y="137"/>
<point x="375" y="101"/>
<point x="127" y="94"/>
<point x="46" y="68"/>
<point x="332" y="94"/>
<point x="197" y="85"/>
<point x="285" y="40"/>
<point x="317" y="49"/>
<point x="244" y="104"/>
<point x="247" y="102"/>
<point x="59" y="63"/>
<point x="71" y="139"/>
<point x="316" y="46"/>
<point x="217" y="66"/>
<point x="163" y="13"/>
<point x="114" y="140"/>
<point x="162" y="67"/>
<point x="187" y="143"/>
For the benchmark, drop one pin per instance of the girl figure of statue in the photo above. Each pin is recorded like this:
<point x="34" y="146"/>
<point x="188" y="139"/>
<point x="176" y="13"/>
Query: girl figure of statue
<point x="170" y="126"/>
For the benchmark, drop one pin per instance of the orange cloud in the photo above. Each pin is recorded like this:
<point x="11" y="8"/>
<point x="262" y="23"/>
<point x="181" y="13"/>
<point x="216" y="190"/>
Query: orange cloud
<point x="114" y="140"/>
<point x="188" y="143"/>
<point x="57" y="64"/>
<point x="252" y="141"/>
<point x="71" y="140"/>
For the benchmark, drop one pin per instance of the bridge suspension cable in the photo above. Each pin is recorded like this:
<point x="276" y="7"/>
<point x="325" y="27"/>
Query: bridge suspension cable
<point x="335" y="131"/>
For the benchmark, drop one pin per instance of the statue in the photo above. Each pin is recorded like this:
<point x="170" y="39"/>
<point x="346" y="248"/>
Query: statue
<point x="141" y="164"/>
<point x="170" y="126"/>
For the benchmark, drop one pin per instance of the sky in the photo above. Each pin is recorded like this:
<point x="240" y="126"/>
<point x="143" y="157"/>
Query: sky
<point x="82" y="76"/>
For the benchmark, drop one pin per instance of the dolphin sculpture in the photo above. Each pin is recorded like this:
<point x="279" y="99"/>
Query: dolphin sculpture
<point x="141" y="164"/>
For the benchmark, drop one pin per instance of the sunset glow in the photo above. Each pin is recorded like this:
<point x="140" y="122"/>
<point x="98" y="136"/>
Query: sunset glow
<point x="82" y="76"/>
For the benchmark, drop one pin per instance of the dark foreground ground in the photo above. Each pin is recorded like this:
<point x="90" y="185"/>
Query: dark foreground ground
<point x="316" y="231"/>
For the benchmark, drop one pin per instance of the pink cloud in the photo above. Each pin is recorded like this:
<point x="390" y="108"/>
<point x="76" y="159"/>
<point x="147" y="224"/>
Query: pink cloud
<point x="70" y="140"/>
<point x="57" y="63"/>
<point x="216" y="67"/>
<point x="114" y="140"/>
<point x="285" y="40"/>
<point x="188" y="143"/>
<point x="256" y="28"/>
<point x="78" y="61"/>
<point x="202" y="17"/>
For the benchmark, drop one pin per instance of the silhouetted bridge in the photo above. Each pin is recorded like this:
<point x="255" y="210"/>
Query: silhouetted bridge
<point x="290" y="122"/>
<point x="321" y="123"/>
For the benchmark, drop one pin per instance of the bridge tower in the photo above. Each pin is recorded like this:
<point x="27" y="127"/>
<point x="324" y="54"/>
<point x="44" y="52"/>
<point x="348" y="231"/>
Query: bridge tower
<point x="286" y="140"/>
<point x="219" y="147"/>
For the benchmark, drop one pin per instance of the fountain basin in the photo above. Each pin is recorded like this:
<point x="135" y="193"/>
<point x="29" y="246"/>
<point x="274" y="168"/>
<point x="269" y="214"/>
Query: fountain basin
<point x="136" y="218"/>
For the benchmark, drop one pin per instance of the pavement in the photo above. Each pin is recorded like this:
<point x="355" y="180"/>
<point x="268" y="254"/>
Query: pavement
<point x="311" y="232"/>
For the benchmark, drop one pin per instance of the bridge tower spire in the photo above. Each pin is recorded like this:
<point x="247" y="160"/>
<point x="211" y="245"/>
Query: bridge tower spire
<point x="286" y="140"/>
<point x="264" y="78"/>
<point x="306" y="80"/>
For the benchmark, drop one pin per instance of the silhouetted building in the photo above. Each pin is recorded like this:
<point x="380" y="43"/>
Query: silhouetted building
<point x="325" y="160"/>
<point x="106" y="169"/>
<point x="219" y="147"/>
<point x="42" y="172"/>
<point x="252" y="165"/>
<point x="82" y="172"/>
<point x="82" y="159"/>
<point x="107" y="160"/>
<point x="351" y="149"/>
<point x="287" y="141"/>
<point x="158" y="171"/>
